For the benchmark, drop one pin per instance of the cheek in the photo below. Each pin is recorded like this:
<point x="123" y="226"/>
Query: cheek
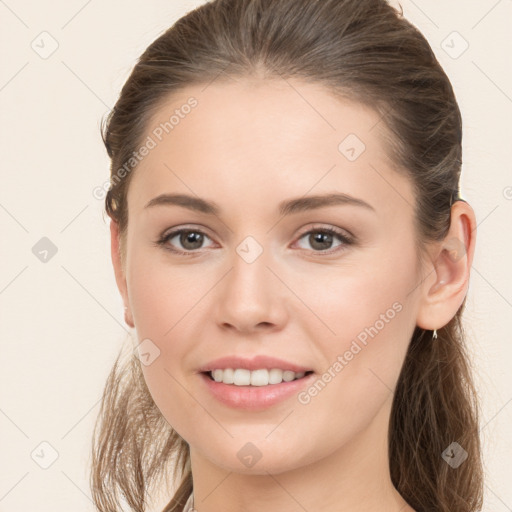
<point x="345" y="301"/>
<point x="162" y="300"/>
<point x="372" y="321"/>
<point x="365" y="314"/>
<point x="160" y="294"/>
<point x="169" y="303"/>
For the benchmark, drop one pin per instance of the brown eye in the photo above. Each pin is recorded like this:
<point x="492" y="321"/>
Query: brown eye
<point x="322" y="239"/>
<point x="190" y="240"/>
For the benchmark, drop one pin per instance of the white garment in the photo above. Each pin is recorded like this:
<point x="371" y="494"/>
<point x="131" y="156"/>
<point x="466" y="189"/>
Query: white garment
<point x="188" y="505"/>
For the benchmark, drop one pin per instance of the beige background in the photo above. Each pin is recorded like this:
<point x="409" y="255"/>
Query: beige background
<point x="61" y="321"/>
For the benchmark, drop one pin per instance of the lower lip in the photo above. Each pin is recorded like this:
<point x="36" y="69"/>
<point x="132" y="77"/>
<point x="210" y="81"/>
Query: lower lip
<point x="255" y="397"/>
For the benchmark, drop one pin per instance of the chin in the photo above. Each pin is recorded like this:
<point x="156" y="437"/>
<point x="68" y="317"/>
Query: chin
<point x="248" y="459"/>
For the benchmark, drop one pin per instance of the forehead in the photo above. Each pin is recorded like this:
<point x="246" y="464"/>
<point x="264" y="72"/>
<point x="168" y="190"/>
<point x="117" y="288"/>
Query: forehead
<point x="254" y="139"/>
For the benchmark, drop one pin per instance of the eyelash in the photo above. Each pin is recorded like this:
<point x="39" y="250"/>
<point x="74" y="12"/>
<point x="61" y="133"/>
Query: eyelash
<point x="347" y="240"/>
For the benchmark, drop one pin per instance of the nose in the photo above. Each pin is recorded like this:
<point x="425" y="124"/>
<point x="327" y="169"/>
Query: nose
<point x="251" y="296"/>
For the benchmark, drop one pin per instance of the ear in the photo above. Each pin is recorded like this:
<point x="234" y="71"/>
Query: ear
<point x="446" y="285"/>
<point x="119" y="272"/>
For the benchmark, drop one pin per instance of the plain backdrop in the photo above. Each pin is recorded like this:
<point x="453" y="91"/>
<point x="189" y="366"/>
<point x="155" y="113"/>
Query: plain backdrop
<point x="62" y="67"/>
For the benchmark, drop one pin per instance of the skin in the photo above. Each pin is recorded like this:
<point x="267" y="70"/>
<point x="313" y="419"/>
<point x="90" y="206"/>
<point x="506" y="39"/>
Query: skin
<point x="247" y="146"/>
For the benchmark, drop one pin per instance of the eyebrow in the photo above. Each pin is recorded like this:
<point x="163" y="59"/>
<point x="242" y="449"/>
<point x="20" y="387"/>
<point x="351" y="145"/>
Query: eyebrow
<point x="288" y="207"/>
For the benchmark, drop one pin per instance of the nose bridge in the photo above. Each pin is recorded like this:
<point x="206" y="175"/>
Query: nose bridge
<point x="251" y="292"/>
<point x="250" y="275"/>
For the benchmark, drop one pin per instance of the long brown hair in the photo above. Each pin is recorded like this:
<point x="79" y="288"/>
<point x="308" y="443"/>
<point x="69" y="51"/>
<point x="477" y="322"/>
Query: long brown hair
<point x="366" y="51"/>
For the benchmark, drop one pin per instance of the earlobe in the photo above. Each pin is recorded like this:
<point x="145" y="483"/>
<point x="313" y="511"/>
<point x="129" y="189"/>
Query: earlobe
<point x="446" y="285"/>
<point x="115" y="250"/>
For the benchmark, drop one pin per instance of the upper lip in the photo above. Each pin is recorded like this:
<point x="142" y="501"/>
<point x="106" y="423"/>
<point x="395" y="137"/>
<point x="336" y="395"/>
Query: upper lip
<point x="254" y="363"/>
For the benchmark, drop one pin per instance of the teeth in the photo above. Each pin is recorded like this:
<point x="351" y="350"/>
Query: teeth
<point x="242" y="377"/>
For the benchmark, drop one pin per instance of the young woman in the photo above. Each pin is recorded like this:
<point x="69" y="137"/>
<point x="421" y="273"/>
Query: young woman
<point x="294" y="256"/>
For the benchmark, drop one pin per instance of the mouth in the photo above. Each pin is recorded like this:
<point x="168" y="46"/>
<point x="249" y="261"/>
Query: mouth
<point x="254" y="391"/>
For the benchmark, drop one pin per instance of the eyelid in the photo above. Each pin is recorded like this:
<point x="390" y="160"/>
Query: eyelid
<point x="344" y="233"/>
<point x="184" y="227"/>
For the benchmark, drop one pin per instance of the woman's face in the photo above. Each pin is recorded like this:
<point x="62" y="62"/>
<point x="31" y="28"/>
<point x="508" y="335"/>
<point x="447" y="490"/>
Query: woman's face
<point x="260" y="278"/>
